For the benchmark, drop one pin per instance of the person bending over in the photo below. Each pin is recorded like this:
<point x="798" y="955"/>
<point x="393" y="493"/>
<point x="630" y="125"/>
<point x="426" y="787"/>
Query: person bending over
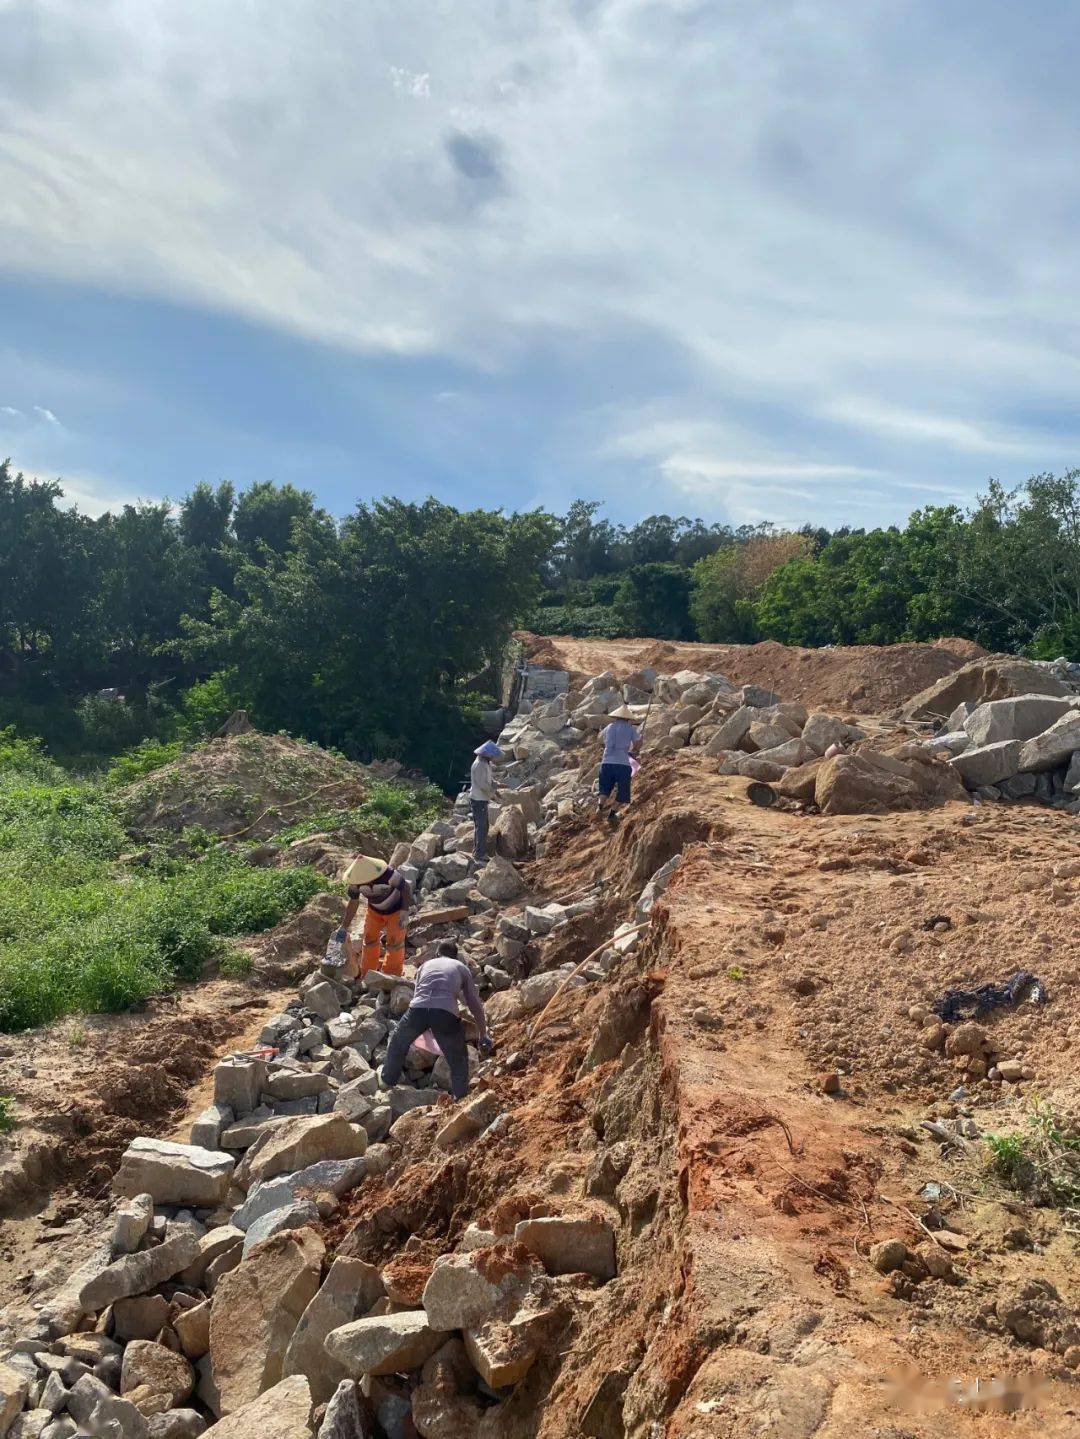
<point x="441" y="982"/>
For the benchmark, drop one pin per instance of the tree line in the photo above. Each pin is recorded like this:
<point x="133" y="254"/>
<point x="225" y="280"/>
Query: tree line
<point x="381" y="633"/>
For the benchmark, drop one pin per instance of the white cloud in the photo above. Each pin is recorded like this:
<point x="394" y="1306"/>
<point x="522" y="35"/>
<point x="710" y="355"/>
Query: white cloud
<point x="812" y="216"/>
<point x="46" y="415"/>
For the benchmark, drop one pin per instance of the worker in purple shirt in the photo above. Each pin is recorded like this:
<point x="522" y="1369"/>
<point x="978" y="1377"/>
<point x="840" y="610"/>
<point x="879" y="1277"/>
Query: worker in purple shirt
<point x="440" y="983"/>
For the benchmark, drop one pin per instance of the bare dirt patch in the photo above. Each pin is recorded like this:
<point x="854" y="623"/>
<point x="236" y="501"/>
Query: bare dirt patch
<point x="860" y="679"/>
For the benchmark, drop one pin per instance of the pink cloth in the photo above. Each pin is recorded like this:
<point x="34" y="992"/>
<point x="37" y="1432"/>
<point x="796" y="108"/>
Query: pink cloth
<point x="428" y="1043"/>
<point x="635" y="765"/>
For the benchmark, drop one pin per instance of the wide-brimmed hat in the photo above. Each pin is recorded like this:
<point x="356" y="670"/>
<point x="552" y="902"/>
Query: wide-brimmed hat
<point x="488" y="750"/>
<point x="623" y="712"/>
<point x="364" y="868"/>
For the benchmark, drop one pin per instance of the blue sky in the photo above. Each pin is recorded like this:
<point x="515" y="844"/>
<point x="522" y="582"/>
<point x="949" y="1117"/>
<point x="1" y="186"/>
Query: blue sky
<point x="795" y="261"/>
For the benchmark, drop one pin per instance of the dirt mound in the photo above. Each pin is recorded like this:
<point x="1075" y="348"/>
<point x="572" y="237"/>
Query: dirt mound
<point x="860" y="679"/>
<point x="250" y="784"/>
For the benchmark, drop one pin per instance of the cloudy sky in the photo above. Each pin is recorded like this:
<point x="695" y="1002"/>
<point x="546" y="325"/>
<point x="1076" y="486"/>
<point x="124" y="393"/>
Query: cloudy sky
<point x="787" y="260"/>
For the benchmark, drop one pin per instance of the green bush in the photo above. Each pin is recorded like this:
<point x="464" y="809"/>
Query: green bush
<point x="206" y="706"/>
<point x="147" y="756"/>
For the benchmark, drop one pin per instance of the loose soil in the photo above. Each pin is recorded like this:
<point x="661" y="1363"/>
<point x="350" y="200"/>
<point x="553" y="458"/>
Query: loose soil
<point x="859" y="679"/>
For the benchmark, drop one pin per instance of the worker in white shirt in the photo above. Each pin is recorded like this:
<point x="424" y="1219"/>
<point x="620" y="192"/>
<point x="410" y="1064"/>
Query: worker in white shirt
<point x="481" y="793"/>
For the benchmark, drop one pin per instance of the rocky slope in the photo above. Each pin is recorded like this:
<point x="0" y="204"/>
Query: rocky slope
<point x="728" y="1173"/>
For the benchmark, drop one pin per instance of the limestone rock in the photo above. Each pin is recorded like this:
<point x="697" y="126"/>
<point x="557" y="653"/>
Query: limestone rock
<point x="282" y="1412"/>
<point x="330" y="1176"/>
<point x="139" y="1273"/>
<point x="172" y="1173"/>
<point x="214" y="1245"/>
<point x="297" y="1143"/>
<point x="30" y="1424"/>
<point x="385" y="1344"/>
<point x="153" y="1378"/>
<point x="255" y="1311"/>
<point x="211" y="1124"/>
<point x="570" y="1245"/>
<point x="237" y="1082"/>
<point x="471" y="1116"/>
<point x="347" y="1294"/>
<point x="991" y="678"/>
<point x="93" y="1406"/>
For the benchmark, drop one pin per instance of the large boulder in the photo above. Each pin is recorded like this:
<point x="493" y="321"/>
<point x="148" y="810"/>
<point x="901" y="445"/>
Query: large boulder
<point x="852" y="784"/>
<point x="283" y="1412"/>
<point x="732" y="731"/>
<point x="1021" y="718"/>
<point x="801" y="782"/>
<point x="299" y="1142"/>
<point x="347" y="1293"/>
<point x="1054" y="747"/>
<point x="993" y="677"/>
<point x="255" y="1312"/>
<point x="170" y="1173"/>
<point x="989" y="763"/>
<point x="13" y="1388"/>
<point x="385" y="1343"/>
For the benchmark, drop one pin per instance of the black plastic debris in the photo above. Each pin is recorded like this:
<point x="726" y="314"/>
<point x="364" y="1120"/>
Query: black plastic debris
<point x="1022" y="988"/>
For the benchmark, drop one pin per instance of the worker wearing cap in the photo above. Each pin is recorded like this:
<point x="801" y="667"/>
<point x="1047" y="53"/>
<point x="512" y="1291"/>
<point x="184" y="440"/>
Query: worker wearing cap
<point x="481" y="793"/>
<point x="389" y="895"/>
<point x="621" y="740"/>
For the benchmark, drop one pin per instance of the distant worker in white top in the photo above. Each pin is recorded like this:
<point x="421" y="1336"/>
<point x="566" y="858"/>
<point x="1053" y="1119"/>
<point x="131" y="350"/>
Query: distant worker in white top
<point x="481" y="793"/>
<point x="621" y="740"/>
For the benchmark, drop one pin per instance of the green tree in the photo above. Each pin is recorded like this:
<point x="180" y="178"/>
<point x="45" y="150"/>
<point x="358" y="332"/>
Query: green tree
<point x="654" y="599"/>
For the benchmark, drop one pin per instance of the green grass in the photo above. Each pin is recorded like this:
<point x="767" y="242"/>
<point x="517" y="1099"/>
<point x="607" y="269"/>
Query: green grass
<point x="7" y="1114"/>
<point x="236" y="964"/>
<point x="1041" y="1161"/>
<point x="143" y="759"/>
<point x="80" y="932"/>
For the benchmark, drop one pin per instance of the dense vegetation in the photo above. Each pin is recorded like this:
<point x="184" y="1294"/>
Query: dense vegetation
<point x="1007" y="574"/>
<point x="81" y="931"/>
<point x="382" y="633"/>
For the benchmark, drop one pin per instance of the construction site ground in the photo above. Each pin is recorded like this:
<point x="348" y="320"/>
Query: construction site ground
<point x="686" y="1097"/>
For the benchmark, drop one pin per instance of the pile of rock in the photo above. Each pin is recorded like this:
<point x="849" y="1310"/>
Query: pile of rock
<point x="1009" y="749"/>
<point x="971" y="1049"/>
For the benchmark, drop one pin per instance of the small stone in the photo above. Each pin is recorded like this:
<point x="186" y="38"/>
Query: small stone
<point x="1011" y="1070"/>
<point x="830" y="1083"/>
<point x="890" y="1254"/>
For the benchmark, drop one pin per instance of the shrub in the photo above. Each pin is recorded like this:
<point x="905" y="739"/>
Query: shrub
<point x="147" y="756"/>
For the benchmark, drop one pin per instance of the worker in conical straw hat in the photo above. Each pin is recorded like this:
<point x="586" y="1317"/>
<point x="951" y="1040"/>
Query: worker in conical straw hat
<point x="481" y="793"/>
<point x="622" y="740"/>
<point x="389" y="896"/>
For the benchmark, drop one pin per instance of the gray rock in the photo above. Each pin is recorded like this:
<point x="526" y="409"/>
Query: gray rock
<point x="566" y="1245"/>
<point x="237" y="1083"/>
<point x="130" y="1223"/>
<point x="1072" y="777"/>
<point x="139" y="1273"/>
<point x="30" y="1424"/>
<point x="377" y="1124"/>
<point x="62" y="1428"/>
<point x="174" y="1173"/>
<point x="989" y="764"/>
<point x="404" y="1097"/>
<point x="1054" y="747"/>
<point x="758" y="697"/>
<point x="246" y="1131"/>
<point x="206" y="1131"/>
<point x="294" y="1083"/>
<point x="291" y="1216"/>
<point x="347" y="1293"/>
<point x="1022" y="718"/>
<point x="354" y="1099"/>
<point x="386" y="1344"/>
<point x="93" y="1406"/>
<point x="322" y="999"/>
<point x="177" y="1424"/>
<point x="54" y="1395"/>
<point x="1018" y="786"/>
<point x="328" y="1176"/>
<point x="342" y="1419"/>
